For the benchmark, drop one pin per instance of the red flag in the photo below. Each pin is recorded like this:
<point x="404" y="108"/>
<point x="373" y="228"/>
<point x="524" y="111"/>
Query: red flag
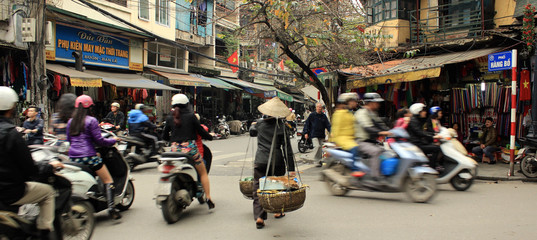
<point x="282" y="66"/>
<point x="525" y="87"/>
<point x="234" y="59"/>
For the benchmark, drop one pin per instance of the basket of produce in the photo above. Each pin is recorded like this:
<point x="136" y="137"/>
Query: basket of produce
<point x="247" y="187"/>
<point x="281" y="194"/>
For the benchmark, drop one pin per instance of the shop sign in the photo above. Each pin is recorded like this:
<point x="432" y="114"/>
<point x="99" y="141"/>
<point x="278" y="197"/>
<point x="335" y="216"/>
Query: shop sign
<point x="98" y="49"/>
<point x="500" y="61"/>
<point x="78" y="82"/>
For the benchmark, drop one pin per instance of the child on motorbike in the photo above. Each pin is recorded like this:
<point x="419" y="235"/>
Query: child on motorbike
<point x="83" y="132"/>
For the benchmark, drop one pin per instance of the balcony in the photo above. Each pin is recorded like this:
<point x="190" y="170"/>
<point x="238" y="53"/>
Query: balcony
<point x="448" y="22"/>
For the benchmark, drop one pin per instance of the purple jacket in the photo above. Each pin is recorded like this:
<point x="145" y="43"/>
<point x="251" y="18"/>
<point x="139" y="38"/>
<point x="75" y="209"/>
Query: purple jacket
<point x="83" y="144"/>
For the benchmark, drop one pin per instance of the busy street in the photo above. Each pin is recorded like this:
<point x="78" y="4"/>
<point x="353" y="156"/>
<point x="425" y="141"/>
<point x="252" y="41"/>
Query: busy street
<point x="486" y="211"/>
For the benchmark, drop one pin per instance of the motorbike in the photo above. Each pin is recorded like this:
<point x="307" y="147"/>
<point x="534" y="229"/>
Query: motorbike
<point x="74" y="214"/>
<point x="244" y="126"/>
<point x="527" y="157"/>
<point x="291" y="126"/>
<point x="136" y="151"/>
<point x="460" y="169"/>
<point x="179" y="184"/>
<point x="222" y="129"/>
<point x="92" y="189"/>
<point x="404" y="167"/>
<point x="304" y="144"/>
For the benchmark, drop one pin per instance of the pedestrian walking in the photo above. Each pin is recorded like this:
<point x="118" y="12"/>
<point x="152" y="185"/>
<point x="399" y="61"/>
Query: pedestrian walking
<point x="315" y="128"/>
<point x="271" y="138"/>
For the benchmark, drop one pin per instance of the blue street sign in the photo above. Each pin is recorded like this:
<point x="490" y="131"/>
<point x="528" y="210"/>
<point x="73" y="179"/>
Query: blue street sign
<point x="500" y="61"/>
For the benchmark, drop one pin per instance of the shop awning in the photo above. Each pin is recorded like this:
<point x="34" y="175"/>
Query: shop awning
<point x="248" y="86"/>
<point x="417" y="68"/>
<point x="274" y="92"/>
<point x="78" y="78"/>
<point x="130" y="80"/>
<point x="217" y="83"/>
<point x="183" y="79"/>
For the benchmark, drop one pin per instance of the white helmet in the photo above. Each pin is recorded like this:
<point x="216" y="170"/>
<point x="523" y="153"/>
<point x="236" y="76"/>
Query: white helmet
<point x="8" y="98"/>
<point x="416" y="108"/>
<point x="139" y="106"/>
<point x="115" y="104"/>
<point x="179" y="99"/>
<point x="345" y="97"/>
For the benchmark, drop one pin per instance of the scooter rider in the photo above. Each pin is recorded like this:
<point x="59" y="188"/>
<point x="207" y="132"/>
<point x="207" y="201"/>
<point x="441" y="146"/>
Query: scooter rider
<point x="369" y="127"/>
<point x="140" y="126"/>
<point x="420" y="137"/>
<point x="17" y="168"/>
<point x="343" y="129"/>
<point x="115" y="117"/>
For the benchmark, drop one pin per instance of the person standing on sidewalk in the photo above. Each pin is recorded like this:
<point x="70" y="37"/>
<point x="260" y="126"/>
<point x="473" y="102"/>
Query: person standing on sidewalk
<point x="314" y="128"/>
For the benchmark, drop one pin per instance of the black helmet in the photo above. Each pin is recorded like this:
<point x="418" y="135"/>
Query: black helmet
<point x="373" y="97"/>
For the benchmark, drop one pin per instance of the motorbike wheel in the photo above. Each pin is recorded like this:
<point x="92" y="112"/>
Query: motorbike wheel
<point x="420" y="190"/>
<point x="461" y="184"/>
<point x="83" y="213"/>
<point x="128" y="198"/>
<point x="334" y="187"/>
<point x="223" y="134"/>
<point x="171" y="211"/>
<point x="528" y="166"/>
<point x="302" y="147"/>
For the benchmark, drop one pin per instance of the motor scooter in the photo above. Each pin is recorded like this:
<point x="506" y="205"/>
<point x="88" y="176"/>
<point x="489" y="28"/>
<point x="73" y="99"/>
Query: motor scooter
<point x="179" y="184"/>
<point x="460" y="169"/>
<point x="222" y="129"/>
<point x="304" y="144"/>
<point x="404" y="167"/>
<point x="527" y="157"/>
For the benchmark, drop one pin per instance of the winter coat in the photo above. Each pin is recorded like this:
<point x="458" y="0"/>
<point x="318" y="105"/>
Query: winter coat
<point x="343" y="129"/>
<point x="316" y="124"/>
<point x="264" y="130"/>
<point x="368" y="125"/>
<point x="189" y="129"/>
<point x="488" y="138"/>
<point x="16" y="163"/>
<point x="83" y="144"/>
<point x="38" y="124"/>
<point x="116" y="119"/>
<point x="418" y="135"/>
<point x="139" y="122"/>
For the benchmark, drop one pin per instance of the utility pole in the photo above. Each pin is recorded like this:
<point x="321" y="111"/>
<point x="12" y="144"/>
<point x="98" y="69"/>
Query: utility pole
<point x="38" y="75"/>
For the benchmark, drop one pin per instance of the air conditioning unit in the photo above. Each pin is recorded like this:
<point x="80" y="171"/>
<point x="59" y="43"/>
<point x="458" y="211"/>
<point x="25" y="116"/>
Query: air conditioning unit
<point x="209" y="40"/>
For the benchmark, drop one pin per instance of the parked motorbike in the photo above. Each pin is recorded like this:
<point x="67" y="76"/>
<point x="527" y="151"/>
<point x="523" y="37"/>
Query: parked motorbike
<point x="244" y="126"/>
<point x="404" y="167"/>
<point x="304" y="144"/>
<point x="460" y="169"/>
<point x="179" y="184"/>
<point x="222" y="129"/>
<point x="74" y="214"/>
<point x="527" y="157"/>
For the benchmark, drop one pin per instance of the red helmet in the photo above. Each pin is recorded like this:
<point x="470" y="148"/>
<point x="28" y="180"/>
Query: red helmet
<point x="85" y="100"/>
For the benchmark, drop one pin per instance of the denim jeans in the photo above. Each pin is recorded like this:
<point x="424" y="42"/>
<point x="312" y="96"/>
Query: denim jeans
<point x="488" y="151"/>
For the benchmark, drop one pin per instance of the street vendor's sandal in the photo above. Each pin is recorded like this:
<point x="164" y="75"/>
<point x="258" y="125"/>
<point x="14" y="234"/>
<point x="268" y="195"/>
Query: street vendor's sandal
<point x="279" y="215"/>
<point x="358" y="174"/>
<point x="259" y="224"/>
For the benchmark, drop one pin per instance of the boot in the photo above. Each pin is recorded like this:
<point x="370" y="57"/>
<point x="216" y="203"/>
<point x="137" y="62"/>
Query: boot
<point x="44" y="234"/>
<point x="112" y="211"/>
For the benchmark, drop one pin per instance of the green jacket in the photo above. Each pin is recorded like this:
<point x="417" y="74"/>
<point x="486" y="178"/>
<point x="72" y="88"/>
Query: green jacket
<point x="488" y="137"/>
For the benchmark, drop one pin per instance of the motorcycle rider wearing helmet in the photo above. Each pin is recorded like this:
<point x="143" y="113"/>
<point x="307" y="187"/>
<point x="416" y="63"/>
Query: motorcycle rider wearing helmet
<point x="419" y="136"/>
<point x="433" y="123"/>
<point x="369" y="127"/>
<point x="140" y="126"/>
<point x="17" y="168"/>
<point x="181" y="130"/>
<point x="343" y="129"/>
<point x="83" y="132"/>
<point x="115" y="117"/>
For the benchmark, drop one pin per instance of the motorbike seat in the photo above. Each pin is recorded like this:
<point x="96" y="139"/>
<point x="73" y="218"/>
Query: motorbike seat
<point x="82" y="167"/>
<point x="176" y="155"/>
<point x="134" y="140"/>
<point x="339" y="153"/>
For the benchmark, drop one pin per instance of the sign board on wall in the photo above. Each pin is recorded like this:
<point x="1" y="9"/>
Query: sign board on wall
<point x="98" y="48"/>
<point x="500" y="61"/>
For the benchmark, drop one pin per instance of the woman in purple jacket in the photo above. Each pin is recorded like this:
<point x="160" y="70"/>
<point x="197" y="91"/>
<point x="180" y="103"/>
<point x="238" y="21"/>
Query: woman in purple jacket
<point x="82" y="133"/>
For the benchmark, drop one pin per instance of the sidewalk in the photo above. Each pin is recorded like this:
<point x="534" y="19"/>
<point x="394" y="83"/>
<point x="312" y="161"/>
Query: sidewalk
<point x="499" y="171"/>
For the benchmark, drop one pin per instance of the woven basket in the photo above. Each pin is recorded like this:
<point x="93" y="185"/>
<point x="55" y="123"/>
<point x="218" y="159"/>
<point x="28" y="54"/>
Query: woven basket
<point x="247" y="189"/>
<point x="282" y="201"/>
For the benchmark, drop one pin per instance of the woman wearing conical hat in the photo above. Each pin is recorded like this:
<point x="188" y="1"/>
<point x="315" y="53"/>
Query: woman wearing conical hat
<point x="282" y="153"/>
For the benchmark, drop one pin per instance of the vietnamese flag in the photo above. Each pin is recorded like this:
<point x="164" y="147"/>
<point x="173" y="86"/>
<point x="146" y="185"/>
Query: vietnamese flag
<point x="282" y="66"/>
<point x="234" y="59"/>
<point x="525" y="87"/>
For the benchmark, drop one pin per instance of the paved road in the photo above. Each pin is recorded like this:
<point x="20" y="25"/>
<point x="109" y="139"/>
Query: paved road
<point x="486" y="211"/>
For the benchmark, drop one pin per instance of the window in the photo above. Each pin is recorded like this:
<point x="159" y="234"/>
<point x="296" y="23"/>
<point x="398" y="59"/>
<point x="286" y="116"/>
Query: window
<point x="381" y="10"/>
<point x="161" y="12"/>
<point x="143" y="7"/>
<point x="119" y="2"/>
<point x="165" y="56"/>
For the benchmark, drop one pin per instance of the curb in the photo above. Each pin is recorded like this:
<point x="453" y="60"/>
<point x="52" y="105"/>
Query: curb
<point x="523" y="179"/>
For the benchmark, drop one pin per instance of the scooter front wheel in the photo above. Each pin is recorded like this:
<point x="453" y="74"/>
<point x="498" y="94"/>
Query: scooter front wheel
<point x="528" y="166"/>
<point x="422" y="189"/>
<point x="302" y="147"/>
<point x="335" y="188"/>
<point x="128" y="197"/>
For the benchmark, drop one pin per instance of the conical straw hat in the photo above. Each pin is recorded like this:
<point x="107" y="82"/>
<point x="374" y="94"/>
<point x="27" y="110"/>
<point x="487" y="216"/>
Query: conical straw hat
<point x="274" y="108"/>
